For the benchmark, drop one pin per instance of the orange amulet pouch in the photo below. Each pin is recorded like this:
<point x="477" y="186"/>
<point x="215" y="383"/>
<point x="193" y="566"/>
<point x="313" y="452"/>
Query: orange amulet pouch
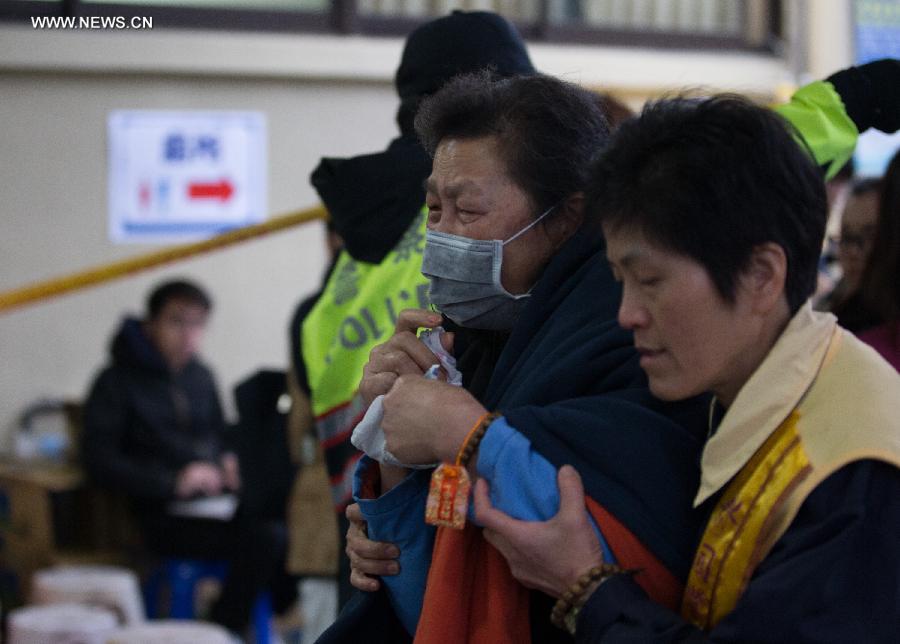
<point x="448" y="496"/>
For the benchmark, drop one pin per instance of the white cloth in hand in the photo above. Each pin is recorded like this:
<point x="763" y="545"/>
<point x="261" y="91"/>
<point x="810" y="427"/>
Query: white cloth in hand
<point x="368" y="436"/>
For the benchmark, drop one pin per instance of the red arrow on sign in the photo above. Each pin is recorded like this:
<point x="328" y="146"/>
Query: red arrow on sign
<point x="221" y="190"/>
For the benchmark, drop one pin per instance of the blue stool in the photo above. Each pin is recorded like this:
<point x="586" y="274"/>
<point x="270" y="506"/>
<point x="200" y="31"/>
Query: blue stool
<point x="181" y="577"/>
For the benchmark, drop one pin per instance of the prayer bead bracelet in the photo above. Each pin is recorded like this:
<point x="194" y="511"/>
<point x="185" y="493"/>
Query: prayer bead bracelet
<point x="473" y="438"/>
<point x="565" y="611"/>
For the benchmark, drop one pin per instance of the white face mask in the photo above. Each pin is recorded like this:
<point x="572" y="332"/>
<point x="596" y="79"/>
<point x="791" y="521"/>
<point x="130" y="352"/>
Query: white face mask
<point x="465" y="279"/>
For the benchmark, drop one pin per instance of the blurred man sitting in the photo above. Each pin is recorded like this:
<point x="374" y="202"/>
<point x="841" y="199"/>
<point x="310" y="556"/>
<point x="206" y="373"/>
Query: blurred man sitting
<point x="154" y="430"/>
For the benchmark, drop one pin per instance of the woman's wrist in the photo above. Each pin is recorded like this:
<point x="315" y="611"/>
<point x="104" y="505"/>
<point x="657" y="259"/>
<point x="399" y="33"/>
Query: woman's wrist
<point x="451" y="436"/>
<point x="392" y="476"/>
<point x="566" y="610"/>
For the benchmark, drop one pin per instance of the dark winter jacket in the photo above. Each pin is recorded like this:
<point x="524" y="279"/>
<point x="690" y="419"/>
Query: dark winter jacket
<point x="143" y="423"/>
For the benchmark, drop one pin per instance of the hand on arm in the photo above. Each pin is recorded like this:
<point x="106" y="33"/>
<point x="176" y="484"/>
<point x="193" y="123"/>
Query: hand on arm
<point x="548" y="556"/>
<point x="368" y="559"/>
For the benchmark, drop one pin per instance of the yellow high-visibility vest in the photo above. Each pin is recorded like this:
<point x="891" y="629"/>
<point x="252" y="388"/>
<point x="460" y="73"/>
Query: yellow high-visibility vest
<point x="357" y="310"/>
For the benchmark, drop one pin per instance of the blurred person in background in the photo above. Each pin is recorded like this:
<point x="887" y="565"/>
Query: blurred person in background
<point x="837" y="189"/>
<point x="857" y="231"/>
<point x="313" y="544"/>
<point x="879" y="285"/>
<point x="154" y="431"/>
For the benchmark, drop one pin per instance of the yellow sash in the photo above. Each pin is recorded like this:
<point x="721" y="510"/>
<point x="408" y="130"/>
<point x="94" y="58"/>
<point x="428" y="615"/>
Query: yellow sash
<point x="737" y="535"/>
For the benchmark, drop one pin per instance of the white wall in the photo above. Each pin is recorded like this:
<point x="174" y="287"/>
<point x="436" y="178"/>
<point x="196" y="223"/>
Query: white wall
<point x="830" y="44"/>
<point x="53" y="211"/>
<point x="321" y="95"/>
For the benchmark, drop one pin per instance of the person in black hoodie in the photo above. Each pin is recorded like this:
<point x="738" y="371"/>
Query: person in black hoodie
<point x="375" y="203"/>
<point x="154" y="430"/>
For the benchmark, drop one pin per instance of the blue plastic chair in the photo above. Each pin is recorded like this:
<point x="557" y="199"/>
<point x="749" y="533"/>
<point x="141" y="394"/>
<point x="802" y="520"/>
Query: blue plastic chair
<point x="181" y="577"/>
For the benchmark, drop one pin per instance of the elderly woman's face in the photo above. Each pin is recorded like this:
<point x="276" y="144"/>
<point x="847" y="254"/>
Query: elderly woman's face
<point x="471" y="194"/>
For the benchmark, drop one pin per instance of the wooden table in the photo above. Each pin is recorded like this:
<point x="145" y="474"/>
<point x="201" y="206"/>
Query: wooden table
<point x="34" y="500"/>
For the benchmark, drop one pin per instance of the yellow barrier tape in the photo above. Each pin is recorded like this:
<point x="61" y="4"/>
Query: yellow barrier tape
<point x="114" y="270"/>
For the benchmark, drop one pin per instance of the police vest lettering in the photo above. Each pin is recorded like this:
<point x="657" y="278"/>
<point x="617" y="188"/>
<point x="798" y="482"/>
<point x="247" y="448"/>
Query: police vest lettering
<point x="358" y="309"/>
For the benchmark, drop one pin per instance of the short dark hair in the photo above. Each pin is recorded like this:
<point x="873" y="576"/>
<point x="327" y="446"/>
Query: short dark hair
<point x="549" y="131"/>
<point x="176" y="290"/>
<point x="712" y="179"/>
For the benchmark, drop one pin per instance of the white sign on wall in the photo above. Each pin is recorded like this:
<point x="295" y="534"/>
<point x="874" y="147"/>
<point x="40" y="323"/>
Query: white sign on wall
<point x="185" y="175"/>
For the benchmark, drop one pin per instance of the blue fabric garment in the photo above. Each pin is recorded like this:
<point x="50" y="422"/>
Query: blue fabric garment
<point x="834" y="576"/>
<point x="522" y="484"/>
<point x="398" y="517"/>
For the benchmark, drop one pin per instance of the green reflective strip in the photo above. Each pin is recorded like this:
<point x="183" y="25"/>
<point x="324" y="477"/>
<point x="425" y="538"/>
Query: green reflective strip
<point x="357" y="310"/>
<point x="818" y="114"/>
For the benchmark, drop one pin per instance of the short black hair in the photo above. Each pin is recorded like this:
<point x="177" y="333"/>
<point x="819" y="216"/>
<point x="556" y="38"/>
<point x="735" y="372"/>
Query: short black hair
<point x="549" y="131"/>
<point x="712" y="179"/>
<point x="176" y="290"/>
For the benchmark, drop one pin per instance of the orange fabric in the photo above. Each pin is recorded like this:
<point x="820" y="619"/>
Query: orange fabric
<point x="657" y="581"/>
<point x="472" y="597"/>
<point x="370" y="484"/>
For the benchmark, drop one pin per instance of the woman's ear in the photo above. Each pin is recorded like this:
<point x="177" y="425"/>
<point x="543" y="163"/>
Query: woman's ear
<point x="765" y="276"/>
<point x="562" y="224"/>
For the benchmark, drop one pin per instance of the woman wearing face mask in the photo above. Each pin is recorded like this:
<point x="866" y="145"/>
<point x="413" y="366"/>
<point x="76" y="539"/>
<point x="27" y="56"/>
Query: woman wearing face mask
<point x="714" y="219"/>
<point x="531" y="304"/>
